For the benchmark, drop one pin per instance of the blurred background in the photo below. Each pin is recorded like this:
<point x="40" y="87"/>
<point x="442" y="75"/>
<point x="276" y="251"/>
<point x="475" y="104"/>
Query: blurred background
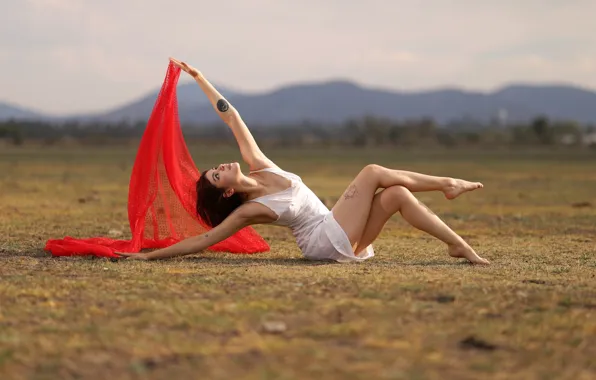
<point x="438" y="73"/>
<point x="500" y="92"/>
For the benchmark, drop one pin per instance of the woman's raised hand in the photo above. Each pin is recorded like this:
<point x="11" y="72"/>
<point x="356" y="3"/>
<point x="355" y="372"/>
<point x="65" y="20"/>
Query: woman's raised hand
<point x="185" y="67"/>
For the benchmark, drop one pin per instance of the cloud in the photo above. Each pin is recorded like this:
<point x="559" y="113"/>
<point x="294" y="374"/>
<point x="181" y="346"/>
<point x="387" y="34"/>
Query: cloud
<point x="71" y="56"/>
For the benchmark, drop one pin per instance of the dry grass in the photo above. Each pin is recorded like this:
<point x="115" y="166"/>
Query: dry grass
<point x="409" y="313"/>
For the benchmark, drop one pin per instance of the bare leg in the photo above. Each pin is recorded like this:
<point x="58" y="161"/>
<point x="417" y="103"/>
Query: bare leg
<point x="384" y="205"/>
<point x="352" y="209"/>
<point x="398" y="198"/>
<point x="417" y="182"/>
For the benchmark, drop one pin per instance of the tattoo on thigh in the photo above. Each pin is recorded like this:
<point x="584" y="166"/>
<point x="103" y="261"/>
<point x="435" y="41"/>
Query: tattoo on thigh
<point x="426" y="207"/>
<point x="222" y="105"/>
<point x="351" y="192"/>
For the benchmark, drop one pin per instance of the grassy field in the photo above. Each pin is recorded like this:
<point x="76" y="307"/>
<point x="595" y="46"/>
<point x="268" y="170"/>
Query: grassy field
<point x="411" y="312"/>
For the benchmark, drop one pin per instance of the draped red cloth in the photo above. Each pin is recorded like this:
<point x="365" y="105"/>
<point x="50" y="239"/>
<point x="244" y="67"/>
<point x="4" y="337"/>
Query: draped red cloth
<point x="162" y="192"/>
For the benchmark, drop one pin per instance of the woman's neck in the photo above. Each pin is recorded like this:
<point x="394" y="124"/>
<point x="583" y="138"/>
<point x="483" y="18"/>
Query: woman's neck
<point x="250" y="187"/>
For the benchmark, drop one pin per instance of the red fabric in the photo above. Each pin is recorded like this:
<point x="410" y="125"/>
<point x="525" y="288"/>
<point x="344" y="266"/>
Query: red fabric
<point x="162" y="192"/>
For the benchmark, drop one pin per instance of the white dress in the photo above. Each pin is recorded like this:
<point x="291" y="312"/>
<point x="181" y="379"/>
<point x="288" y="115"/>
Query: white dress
<point x="317" y="233"/>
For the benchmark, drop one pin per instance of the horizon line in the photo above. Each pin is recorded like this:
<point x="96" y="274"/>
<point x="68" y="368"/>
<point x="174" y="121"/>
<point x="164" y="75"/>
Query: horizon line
<point x="445" y="87"/>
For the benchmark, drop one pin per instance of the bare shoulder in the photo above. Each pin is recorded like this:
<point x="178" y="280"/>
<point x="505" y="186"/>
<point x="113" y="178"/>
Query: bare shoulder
<point x="247" y="214"/>
<point x="255" y="213"/>
<point x="244" y="216"/>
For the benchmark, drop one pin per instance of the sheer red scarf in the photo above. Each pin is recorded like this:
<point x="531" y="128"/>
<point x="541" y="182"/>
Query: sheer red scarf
<point x="162" y="192"/>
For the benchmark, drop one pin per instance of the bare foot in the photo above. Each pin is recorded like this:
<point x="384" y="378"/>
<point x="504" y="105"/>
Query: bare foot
<point x="459" y="186"/>
<point x="465" y="251"/>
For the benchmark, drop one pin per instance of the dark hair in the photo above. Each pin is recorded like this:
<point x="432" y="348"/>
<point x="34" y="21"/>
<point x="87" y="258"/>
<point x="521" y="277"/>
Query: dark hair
<point x="212" y="206"/>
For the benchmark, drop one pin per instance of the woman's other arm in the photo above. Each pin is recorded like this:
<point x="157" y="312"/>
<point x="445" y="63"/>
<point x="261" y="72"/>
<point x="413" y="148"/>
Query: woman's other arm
<point x="243" y="216"/>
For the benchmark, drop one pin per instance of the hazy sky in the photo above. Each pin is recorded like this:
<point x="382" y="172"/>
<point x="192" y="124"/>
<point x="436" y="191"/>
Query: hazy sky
<point x="66" y="56"/>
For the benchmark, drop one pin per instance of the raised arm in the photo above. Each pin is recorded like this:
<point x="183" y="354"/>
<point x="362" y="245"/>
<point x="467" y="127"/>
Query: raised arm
<point x="251" y="153"/>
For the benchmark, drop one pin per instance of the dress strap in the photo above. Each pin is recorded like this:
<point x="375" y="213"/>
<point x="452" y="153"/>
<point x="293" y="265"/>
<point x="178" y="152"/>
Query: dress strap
<point x="266" y="170"/>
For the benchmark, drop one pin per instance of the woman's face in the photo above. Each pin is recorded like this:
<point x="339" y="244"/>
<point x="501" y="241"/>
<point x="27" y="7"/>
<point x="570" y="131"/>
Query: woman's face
<point x="224" y="176"/>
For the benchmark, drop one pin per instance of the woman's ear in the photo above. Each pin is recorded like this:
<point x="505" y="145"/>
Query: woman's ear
<point x="229" y="192"/>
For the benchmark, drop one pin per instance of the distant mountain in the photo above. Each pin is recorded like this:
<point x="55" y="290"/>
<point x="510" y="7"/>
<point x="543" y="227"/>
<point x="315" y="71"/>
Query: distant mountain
<point x="190" y="96"/>
<point x="337" y="101"/>
<point x="8" y="111"/>
<point x="556" y="102"/>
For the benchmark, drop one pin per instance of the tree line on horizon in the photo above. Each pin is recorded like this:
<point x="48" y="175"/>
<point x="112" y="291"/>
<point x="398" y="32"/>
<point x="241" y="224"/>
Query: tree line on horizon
<point x="363" y="132"/>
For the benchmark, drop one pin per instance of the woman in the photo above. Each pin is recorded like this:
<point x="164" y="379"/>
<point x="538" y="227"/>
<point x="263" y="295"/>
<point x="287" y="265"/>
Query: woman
<point x="228" y="201"/>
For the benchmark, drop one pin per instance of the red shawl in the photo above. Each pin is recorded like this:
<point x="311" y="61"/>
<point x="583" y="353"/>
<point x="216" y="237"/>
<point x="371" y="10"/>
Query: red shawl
<point x="162" y="193"/>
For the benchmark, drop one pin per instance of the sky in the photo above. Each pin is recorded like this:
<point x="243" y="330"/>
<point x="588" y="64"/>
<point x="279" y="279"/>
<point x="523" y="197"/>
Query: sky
<point x="70" y="56"/>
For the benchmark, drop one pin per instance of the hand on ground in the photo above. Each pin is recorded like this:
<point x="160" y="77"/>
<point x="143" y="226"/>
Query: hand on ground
<point x="133" y="256"/>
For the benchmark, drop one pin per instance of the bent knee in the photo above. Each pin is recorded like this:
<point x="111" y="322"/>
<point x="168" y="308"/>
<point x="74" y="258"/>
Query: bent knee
<point x="392" y="198"/>
<point x="398" y="192"/>
<point x="371" y="170"/>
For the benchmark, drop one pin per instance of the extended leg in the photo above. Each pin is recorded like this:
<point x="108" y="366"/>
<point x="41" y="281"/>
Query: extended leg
<point x="398" y="198"/>
<point x="352" y="209"/>
<point x="416" y="182"/>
